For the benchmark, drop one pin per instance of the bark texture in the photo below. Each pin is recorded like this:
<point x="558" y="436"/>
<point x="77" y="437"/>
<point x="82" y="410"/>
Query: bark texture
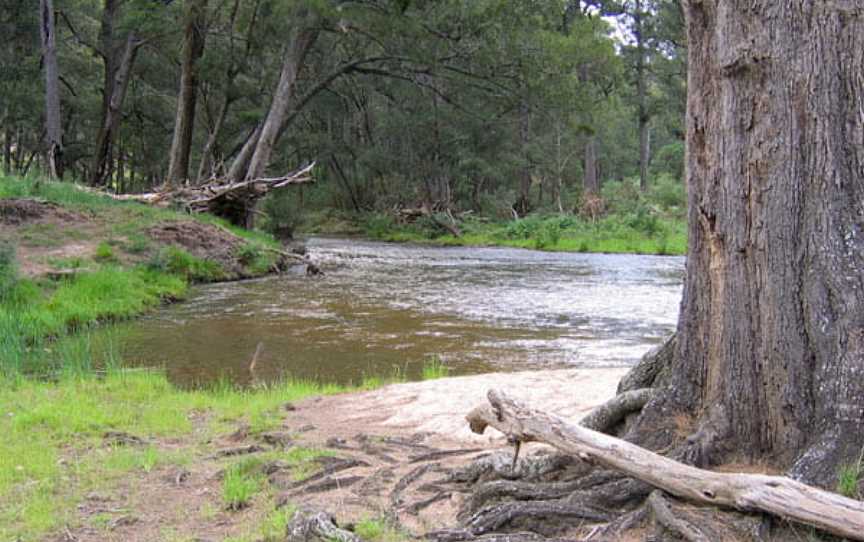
<point x="53" y="128"/>
<point x="184" y="122"/>
<point x="302" y="39"/>
<point x="110" y="126"/>
<point x="771" y="332"/>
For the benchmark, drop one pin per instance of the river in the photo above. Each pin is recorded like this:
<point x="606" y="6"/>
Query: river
<point x="384" y="310"/>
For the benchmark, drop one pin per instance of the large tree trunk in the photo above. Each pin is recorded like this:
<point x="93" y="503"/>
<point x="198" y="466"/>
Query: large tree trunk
<point x="302" y="38"/>
<point x="102" y="163"/>
<point x="184" y="123"/>
<point x="53" y="128"/>
<point x="771" y="331"/>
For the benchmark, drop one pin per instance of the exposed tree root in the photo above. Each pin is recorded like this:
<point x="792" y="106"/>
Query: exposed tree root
<point x="464" y="535"/>
<point x="652" y="370"/>
<point x="746" y="492"/>
<point x="309" y="524"/>
<point x="664" y="516"/>
<point x="499" y="465"/>
<point x="542" y="515"/>
<point x="608" y="415"/>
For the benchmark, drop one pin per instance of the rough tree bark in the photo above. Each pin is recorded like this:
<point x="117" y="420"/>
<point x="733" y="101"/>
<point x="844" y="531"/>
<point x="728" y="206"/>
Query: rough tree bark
<point x="770" y="352"/>
<point x="110" y="126"/>
<point x="184" y="122"/>
<point x="53" y="128"/>
<point x="302" y="38"/>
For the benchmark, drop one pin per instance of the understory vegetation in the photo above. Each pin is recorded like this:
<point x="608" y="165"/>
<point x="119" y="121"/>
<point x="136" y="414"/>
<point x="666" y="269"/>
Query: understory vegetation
<point x="621" y="220"/>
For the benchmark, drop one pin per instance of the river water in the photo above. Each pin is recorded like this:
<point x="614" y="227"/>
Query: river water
<point x="385" y="309"/>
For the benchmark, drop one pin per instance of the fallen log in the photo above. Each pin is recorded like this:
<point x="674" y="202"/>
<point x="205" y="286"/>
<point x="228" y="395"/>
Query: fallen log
<point x="233" y="201"/>
<point x="776" y="495"/>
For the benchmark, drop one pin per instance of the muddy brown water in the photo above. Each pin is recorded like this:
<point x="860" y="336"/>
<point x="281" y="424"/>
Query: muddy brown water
<point x="384" y="309"/>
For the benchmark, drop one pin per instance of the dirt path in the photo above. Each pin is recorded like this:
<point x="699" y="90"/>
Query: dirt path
<point x="389" y="454"/>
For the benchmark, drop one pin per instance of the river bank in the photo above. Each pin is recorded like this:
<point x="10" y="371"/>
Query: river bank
<point x="94" y="451"/>
<point x="129" y="457"/>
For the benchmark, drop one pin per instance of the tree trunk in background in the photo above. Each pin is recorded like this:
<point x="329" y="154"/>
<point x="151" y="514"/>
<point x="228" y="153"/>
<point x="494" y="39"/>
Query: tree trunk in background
<point x="7" y="143"/>
<point x="644" y="155"/>
<point x="523" y="203"/>
<point x="591" y="182"/>
<point x="184" y="123"/>
<point x="53" y="128"/>
<point x="771" y="333"/>
<point x="302" y="39"/>
<point x="104" y="159"/>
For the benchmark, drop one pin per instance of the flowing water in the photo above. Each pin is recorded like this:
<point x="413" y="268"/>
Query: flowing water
<point x="385" y="309"/>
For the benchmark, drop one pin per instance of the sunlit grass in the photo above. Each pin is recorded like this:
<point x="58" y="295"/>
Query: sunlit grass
<point x="53" y="431"/>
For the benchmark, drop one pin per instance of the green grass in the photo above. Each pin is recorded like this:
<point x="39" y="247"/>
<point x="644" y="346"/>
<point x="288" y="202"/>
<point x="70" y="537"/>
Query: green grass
<point x="849" y="477"/>
<point x="434" y="369"/>
<point x="378" y="530"/>
<point x="631" y="222"/>
<point x="241" y="481"/>
<point x="52" y="452"/>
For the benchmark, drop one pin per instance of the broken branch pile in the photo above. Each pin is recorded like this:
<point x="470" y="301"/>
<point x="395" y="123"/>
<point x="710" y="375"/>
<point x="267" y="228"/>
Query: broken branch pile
<point x="234" y="201"/>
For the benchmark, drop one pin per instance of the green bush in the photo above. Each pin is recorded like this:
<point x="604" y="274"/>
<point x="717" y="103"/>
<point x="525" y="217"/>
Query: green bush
<point x="667" y="192"/>
<point x="378" y="225"/>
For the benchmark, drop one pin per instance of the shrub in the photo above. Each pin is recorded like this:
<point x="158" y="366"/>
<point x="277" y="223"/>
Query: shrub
<point x="667" y="192"/>
<point x="378" y="225"/>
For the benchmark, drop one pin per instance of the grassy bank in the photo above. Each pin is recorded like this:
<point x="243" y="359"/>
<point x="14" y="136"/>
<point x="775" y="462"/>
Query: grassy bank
<point x="71" y="259"/>
<point x="78" y="428"/>
<point x="554" y="233"/>
<point x="622" y="220"/>
<point x="55" y="450"/>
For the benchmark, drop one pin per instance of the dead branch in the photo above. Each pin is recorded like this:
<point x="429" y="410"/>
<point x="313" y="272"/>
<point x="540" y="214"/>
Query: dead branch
<point x="221" y="197"/>
<point x="777" y="495"/>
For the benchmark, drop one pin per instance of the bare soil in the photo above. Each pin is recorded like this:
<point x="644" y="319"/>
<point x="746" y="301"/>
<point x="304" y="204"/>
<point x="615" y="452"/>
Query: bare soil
<point x="391" y="448"/>
<point x="48" y="236"/>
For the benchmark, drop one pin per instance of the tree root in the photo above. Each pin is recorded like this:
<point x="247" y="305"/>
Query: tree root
<point x="500" y="465"/>
<point x="309" y="524"/>
<point x="607" y="416"/>
<point x="540" y="514"/>
<point x="414" y="475"/>
<point x="464" y="535"/>
<point x="664" y="516"/>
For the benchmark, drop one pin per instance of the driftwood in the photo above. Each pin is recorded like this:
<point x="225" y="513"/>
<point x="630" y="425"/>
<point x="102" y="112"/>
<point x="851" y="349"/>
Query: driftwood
<point x="776" y="495"/>
<point x="233" y="201"/>
<point x="425" y="210"/>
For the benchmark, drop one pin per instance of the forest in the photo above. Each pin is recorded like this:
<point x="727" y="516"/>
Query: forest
<point x="482" y="109"/>
<point x="442" y="270"/>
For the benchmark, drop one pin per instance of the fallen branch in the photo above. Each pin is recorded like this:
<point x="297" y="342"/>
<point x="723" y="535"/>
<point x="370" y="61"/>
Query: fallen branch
<point x="777" y="495"/>
<point x="233" y="201"/>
